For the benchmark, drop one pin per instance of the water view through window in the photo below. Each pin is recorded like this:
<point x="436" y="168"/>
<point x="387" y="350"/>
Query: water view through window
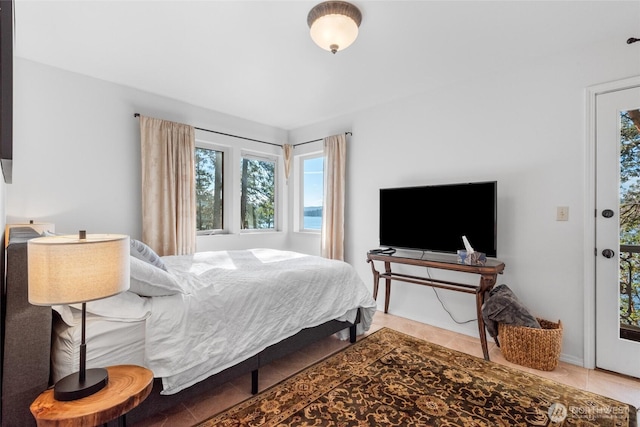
<point x="313" y="182"/>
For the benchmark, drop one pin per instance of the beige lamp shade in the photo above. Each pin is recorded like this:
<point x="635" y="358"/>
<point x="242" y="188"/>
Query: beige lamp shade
<point x="333" y="25"/>
<point x="68" y="269"/>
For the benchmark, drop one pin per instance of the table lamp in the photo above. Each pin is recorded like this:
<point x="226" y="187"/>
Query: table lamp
<point x="76" y="269"/>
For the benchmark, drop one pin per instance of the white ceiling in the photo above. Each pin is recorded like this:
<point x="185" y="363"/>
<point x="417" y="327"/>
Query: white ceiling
<point x="255" y="60"/>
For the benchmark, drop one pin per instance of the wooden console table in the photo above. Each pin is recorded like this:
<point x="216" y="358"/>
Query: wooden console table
<point x="488" y="276"/>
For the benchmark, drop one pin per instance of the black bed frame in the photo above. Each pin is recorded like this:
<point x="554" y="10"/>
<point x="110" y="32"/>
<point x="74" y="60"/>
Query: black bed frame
<point x="26" y="346"/>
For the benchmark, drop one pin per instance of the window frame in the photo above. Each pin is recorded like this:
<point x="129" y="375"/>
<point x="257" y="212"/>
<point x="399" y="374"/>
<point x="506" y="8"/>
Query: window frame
<point x="261" y="156"/>
<point x="300" y="160"/>
<point x="227" y="197"/>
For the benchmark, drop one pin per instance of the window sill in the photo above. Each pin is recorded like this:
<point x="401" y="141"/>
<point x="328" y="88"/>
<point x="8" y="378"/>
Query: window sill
<point x="253" y="232"/>
<point x="211" y="233"/>
<point x="312" y="232"/>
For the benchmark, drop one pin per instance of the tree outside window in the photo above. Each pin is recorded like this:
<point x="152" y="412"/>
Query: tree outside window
<point x="209" y="200"/>
<point x="257" y="194"/>
<point x="630" y="217"/>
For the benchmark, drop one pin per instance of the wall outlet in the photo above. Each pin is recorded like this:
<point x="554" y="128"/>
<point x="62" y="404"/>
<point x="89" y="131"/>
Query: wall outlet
<point x="562" y="213"/>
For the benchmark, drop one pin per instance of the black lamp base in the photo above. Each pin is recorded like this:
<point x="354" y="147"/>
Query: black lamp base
<point x="71" y="388"/>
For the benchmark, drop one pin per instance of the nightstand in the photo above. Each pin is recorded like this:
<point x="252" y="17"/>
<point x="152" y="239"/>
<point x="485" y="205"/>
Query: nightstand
<point x="128" y="386"/>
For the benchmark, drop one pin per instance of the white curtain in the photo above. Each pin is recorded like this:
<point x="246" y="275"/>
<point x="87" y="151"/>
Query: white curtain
<point x="332" y="236"/>
<point x="168" y="186"/>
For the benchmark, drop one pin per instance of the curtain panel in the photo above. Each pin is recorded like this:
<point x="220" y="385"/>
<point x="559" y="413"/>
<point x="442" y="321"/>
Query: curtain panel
<point x="168" y="186"/>
<point x="332" y="234"/>
<point x="287" y="150"/>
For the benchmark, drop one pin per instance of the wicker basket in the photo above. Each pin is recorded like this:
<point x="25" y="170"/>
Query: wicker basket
<point x="532" y="347"/>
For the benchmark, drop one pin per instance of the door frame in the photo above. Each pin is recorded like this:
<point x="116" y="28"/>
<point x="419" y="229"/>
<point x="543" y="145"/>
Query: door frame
<point x="589" y="360"/>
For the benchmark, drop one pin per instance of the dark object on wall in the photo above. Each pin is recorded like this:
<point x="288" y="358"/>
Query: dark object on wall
<point x="6" y="89"/>
<point x="632" y="40"/>
<point x="435" y="217"/>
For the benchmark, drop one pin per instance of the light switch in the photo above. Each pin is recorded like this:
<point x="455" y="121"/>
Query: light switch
<point x="562" y="213"/>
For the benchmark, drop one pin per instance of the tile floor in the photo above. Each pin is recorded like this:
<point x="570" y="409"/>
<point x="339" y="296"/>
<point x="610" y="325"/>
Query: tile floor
<point x="615" y="386"/>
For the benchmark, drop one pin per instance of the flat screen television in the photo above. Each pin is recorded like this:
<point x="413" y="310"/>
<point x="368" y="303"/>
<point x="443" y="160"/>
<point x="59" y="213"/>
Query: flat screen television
<point x="435" y="217"/>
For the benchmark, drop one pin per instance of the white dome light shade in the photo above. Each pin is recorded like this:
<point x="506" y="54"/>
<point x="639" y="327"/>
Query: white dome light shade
<point x="334" y="25"/>
<point x="333" y="32"/>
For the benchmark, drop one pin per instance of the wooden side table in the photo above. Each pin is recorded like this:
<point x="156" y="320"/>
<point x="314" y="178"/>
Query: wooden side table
<point x="128" y="386"/>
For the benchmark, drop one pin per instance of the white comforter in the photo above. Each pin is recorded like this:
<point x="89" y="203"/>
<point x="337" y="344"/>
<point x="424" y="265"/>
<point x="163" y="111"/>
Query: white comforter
<point x="236" y="303"/>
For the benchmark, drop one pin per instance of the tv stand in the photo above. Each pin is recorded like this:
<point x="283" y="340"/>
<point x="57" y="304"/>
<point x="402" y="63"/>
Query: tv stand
<point x="488" y="276"/>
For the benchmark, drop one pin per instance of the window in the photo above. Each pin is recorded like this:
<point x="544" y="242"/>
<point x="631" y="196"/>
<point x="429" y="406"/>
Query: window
<point x="257" y="193"/>
<point x="209" y="200"/>
<point x="312" y="192"/>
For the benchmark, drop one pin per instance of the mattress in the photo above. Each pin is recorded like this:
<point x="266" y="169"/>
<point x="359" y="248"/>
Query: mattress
<point x="110" y="342"/>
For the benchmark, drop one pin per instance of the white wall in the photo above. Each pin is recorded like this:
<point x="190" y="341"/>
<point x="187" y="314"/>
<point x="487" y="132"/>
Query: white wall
<point x="77" y="152"/>
<point x="524" y="128"/>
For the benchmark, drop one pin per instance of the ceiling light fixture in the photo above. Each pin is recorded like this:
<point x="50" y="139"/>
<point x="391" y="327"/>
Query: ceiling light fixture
<point x="334" y="24"/>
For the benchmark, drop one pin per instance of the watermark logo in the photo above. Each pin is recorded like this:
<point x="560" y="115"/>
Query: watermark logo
<point x="591" y="412"/>
<point x="557" y="413"/>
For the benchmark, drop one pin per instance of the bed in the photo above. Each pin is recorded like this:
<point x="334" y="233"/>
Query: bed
<point x="196" y="321"/>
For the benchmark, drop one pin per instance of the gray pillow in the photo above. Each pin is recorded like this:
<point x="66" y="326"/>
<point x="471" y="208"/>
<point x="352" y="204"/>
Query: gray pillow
<point x="145" y="253"/>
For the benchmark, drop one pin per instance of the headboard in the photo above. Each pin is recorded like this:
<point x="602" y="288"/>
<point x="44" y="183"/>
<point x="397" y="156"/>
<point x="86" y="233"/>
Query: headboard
<point x="27" y="336"/>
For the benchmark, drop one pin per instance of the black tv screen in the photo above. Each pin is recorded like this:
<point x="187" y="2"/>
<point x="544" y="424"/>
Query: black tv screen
<point x="435" y="217"/>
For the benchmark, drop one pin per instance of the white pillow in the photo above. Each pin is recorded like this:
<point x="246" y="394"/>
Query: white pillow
<point x="150" y="281"/>
<point x="143" y="252"/>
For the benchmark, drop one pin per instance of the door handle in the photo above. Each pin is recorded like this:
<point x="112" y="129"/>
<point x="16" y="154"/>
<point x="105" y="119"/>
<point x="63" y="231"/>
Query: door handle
<point x="607" y="213"/>
<point x="608" y="253"/>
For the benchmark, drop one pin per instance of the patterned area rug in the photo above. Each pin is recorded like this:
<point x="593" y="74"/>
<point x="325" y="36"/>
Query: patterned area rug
<point x="392" y="379"/>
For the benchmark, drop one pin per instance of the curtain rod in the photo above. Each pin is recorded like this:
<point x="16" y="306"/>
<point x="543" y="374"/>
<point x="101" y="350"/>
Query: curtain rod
<point x="316" y="140"/>
<point x="250" y="139"/>
<point x="228" y="134"/>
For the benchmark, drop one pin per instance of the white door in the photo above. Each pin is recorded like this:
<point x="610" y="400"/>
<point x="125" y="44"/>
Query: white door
<point x="618" y="231"/>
